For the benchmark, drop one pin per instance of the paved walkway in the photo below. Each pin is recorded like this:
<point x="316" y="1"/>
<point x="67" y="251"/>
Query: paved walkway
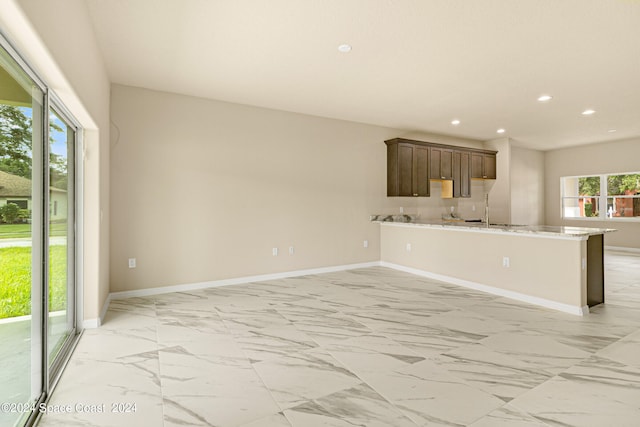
<point x="13" y="243"/>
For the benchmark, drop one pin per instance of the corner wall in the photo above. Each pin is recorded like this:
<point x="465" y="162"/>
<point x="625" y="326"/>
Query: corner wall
<point x="610" y="157"/>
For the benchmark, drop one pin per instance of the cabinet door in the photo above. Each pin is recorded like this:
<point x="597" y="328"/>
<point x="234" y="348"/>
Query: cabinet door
<point x="489" y="166"/>
<point x="421" y="171"/>
<point x="434" y="163"/>
<point x="461" y="174"/>
<point x="405" y="170"/>
<point x="465" y="175"/>
<point x="446" y="164"/>
<point x="477" y="161"/>
<point x="457" y="175"/>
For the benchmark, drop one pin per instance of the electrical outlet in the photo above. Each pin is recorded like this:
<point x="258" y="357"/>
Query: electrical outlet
<point x="505" y="261"/>
<point x="401" y="210"/>
<point x="408" y="247"/>
<point x="274" y="251"/>
<point x="366" y="244"/>
<point x="473" y="208"/>
<point x="291" y="250"/>
<point x="132" y="263"/>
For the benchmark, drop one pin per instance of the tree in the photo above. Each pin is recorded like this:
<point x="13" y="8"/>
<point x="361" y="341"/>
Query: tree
<point x="589" y="186"/>
<point x="620" y="184"/>
<point x="9" y="213"/>
<point x="16" y="144"/>
<point x="15" y="141"/>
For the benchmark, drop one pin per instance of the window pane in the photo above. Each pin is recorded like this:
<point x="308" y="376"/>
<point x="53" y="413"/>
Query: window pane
<point x="61" y="289"/>
<point x="581" y="186"/>
<point x="580" y="197"/>
<point x="580" y="207"/>
<point x="623" y="185"/>
<point x="21" y="142"/>
<point x="589" y="186"/>
<point x="623" y="207"/>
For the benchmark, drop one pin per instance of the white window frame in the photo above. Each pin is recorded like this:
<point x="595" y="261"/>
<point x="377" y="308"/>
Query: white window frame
<point x="602" y="199"/>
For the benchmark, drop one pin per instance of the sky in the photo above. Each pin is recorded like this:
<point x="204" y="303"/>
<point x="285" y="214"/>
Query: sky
<point x="59" y="145"/>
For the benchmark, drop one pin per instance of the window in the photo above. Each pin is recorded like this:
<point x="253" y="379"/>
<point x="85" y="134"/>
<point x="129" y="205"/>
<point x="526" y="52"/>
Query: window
<point x="22" y="204"/>
<point x="38" y="324"/>
<point x="580" y="197"/>
<point x="623" y="196"/>
<point x="610" y="196"/>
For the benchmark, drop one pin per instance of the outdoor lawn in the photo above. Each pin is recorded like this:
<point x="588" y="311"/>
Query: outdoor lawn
<point x="19" y="231"/>
<point x="15" y="280"/>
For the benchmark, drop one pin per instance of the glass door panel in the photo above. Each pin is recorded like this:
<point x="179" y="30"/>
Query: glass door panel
<point x="61" y="323"/>
<point x="21" y="241"/>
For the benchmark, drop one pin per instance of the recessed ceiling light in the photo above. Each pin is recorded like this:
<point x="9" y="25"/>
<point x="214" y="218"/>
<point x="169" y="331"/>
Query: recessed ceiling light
<point x="612" y="130"/>
<point x="545" y="98"/>
<point x="501" y="130"/>
<point x="588" y="112"/>
<point x="344" y="48"/>
<point x="455" y="122"/>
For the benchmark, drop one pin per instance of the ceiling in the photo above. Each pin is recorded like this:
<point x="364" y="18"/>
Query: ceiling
<point x="415" y="65"/>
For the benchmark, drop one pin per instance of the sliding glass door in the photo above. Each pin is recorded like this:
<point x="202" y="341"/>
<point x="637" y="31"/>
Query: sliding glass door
<point x="37" y="239"/>
<point x="21" y="241"/>
<point x="61" y="292"/>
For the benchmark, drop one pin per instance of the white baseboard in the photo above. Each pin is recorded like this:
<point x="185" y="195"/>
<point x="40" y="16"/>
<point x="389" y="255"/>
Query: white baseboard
<point x="622" y="249"/>
<point x="97" y="322"/>
<point x="91" y="323"/>
<point x="236" y="281"/>
<point x="575" y="310"/>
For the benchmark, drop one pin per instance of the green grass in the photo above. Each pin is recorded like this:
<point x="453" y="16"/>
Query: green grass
<point x="15" y="280"/>
<point x="17" y="231"/>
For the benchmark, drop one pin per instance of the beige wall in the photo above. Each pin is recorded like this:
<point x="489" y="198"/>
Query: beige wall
<point x="609" y="157"/>
<point x="527" y="186"/>
<point x="57" y="39"/>
<point x="203" y="190"/>
<point x="478" y="257"/>
<point x="499" y="190"/>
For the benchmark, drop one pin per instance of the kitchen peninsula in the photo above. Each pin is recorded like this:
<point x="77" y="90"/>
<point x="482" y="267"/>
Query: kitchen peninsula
<point x="555" y="267"/>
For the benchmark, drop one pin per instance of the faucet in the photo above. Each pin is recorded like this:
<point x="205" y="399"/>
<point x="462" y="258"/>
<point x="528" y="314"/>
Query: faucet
<point x="486" y="209"/>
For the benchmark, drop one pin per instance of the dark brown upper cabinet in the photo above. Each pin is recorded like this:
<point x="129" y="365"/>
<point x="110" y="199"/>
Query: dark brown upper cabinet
<point x="441" y="163"/>
<point x="483" y="165"/>
<point x="461" y="174"/>
<point x="407" y="170"/>
<point x="411" y="164"/>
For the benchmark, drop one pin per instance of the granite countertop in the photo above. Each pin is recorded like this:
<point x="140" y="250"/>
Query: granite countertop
<point x="461" y="225"/>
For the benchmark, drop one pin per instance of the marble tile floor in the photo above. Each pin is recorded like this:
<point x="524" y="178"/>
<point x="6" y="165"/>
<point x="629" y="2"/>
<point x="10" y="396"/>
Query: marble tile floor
<point x="367" y="347"/>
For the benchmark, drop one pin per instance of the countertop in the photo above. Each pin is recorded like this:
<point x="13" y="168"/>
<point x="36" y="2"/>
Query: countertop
<point x="581" y="233"/>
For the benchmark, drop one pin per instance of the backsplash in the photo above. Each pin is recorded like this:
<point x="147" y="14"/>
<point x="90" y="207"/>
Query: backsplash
<point x="434" y="207"/>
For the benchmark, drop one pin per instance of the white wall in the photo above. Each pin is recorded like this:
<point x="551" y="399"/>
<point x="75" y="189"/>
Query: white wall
<point x="203" y="190"/>
<point x="527" y="186"/>
<point x="476" y="256"/>
<point x="57" y="39"/>
<point x="608" y="157"/>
